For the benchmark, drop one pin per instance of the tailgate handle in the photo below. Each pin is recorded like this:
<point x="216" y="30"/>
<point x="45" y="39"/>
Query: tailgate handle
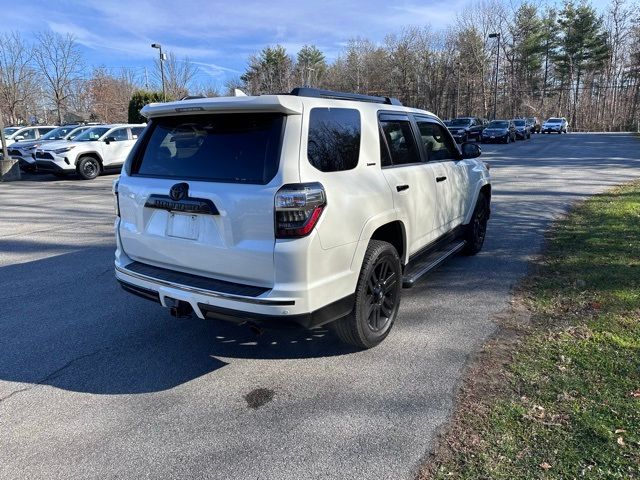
<point x="203" y="206"/>
<point x="402" y="188"/>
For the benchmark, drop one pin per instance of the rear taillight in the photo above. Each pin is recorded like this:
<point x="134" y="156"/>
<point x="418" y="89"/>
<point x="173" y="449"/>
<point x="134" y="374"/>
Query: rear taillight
<point x="298" y="208"/>
<point x="116" y="200"/>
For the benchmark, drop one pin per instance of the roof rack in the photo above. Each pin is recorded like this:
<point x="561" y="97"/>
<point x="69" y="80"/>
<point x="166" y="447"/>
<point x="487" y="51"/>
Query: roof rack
<point x="318" y="93"/>
<point x="192" y="97"/>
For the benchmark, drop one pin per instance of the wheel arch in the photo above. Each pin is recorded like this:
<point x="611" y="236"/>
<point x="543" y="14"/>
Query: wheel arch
<point x="93" y="154"/>
<point x="482" y="186"/>
<point x="385" y="227"/>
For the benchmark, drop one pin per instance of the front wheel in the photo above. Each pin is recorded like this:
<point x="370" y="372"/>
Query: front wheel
<point x="377" y="298"/>
<point x="477" y="228"/>
<point x="88" y="168"/>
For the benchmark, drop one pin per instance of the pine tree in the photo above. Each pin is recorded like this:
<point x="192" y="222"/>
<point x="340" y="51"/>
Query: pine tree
<point x="584" y="47"/>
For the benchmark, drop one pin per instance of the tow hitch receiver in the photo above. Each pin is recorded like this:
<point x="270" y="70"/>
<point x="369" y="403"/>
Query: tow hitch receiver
<point x="178" y="308"/>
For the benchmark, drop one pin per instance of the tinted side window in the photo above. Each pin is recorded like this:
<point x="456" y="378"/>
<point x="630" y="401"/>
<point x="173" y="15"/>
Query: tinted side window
<point x="437" y="145"/>
<point x="29" y="134"/>
<point x="120" y="134"/>
<point x="334" y="139"/>
<point x="136" y="131"/>
<point x="385" y="159"/>
<point x="399" y="137"/>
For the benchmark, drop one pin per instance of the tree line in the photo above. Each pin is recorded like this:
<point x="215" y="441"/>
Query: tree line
<point x="569" y="62"/>
<point x="46" y="80"/>
<point x="552" y="61"/>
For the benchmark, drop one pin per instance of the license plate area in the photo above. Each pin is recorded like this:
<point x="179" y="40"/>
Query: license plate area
<point x="183" y="226"/>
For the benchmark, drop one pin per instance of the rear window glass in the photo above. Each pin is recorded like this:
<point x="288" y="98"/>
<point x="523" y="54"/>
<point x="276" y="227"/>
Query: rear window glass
<point x="334" y="139"/>
<point x="230" y="148"/>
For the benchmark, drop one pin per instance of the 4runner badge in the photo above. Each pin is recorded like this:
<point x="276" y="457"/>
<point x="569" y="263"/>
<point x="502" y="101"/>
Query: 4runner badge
<point x="179" y="191"/>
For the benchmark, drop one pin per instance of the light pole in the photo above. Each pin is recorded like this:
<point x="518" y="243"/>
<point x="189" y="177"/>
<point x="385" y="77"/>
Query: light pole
<point x="495" y="91"/>
<point x="162" y="58"/>
<point x="458" y="67"/>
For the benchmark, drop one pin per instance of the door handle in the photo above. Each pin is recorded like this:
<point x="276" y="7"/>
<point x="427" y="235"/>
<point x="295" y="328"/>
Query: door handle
<point x="402" y="188"/>
<point x="440" y="179"/>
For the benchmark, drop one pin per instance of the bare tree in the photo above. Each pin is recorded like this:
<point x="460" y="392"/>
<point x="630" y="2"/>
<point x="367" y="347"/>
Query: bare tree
<point x="18" y="79"/>
<point x="61" y="64"/>
<point x="110" y="94"/>
<point x="178" y="75"/>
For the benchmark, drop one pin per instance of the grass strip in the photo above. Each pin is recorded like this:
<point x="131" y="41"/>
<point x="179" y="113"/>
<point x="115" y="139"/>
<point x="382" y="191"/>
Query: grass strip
<point x="558" y="395"/>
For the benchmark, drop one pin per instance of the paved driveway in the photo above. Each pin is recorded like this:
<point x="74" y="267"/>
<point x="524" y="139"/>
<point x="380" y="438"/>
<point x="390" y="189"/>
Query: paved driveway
<point x="97" y="383"/>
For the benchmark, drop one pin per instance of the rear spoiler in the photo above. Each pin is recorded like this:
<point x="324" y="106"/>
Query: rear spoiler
<point x="286" y="104"/>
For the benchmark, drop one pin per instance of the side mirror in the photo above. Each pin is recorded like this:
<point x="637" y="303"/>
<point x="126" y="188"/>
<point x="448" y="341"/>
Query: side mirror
<point x="470" y="150"/>
<point x="18" y="138"/>
<point x="109" y="140"/>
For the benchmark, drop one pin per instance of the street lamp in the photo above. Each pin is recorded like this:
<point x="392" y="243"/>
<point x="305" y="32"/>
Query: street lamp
<point x="458" y="68"/>
<point x="163" y="57"/>
<point x="495" y="91"/>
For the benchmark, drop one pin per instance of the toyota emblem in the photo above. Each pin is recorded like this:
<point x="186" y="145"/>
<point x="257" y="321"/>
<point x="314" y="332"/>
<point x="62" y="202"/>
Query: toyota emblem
<point x="179" y="191"/>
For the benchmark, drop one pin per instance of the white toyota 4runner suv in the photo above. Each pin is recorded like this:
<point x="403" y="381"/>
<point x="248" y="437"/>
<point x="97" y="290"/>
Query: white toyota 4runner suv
<point x="307" y="208"/>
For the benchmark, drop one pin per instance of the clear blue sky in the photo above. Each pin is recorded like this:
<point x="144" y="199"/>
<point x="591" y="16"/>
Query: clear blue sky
<point x="219" y="36"/>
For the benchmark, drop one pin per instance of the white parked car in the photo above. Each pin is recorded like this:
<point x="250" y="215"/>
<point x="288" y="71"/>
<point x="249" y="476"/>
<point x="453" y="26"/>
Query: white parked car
<point x="311" y="208"/>
<point x="98" y="149"/>
<point x="557" y="125"/>
<point x="24" y="151"/>
<point x="19" y="134"/>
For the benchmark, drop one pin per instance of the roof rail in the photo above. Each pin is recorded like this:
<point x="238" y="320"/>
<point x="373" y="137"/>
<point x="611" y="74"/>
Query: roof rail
<point x="192" y="97"/>
<point x="318" y="93"/>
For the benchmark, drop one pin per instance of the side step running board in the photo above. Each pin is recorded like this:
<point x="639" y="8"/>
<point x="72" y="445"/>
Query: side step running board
<point x="428" y="263"/>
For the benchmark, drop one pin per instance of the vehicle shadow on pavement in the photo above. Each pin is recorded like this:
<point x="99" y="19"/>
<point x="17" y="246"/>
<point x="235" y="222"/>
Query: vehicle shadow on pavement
<point x="90" y="336"/>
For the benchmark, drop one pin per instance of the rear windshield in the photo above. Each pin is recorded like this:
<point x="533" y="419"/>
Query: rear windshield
<point x="230" y="148"/>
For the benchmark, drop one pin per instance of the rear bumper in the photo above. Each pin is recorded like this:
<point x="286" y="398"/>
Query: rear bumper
<point x="230" y="302"/>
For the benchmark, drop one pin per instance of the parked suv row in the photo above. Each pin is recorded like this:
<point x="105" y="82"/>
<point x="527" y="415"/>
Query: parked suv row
<point x="24" y="150"/>
<point x="467" y="128"/>
<point x="98" y="149"/>
<point x="311" y="208"/>
<point x="18" y="134"/>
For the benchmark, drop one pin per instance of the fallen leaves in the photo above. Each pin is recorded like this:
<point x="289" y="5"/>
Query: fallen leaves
<point x="545" y="466"/>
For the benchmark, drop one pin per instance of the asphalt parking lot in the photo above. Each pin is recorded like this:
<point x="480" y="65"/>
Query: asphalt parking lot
<point x="98" y="383"/>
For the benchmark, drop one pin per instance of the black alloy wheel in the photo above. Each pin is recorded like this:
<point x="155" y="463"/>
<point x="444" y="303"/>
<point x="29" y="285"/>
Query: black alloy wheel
<point x="377" y="298"/>
<point x="477" y="228"/>
<point x="88" y="168"/>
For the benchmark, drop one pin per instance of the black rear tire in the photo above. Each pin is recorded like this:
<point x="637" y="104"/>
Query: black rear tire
<point x="477" y="229"/>
<point x="89" y="168"/>
<point x="377" y="298"/>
